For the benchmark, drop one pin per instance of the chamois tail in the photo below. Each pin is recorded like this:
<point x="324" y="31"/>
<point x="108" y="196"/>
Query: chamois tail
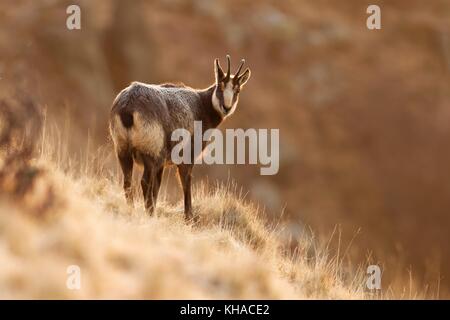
<point x="127" y="119"/>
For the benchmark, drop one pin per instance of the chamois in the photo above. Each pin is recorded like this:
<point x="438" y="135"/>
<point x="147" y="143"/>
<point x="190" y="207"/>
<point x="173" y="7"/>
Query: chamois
<point x="143" y="117"/>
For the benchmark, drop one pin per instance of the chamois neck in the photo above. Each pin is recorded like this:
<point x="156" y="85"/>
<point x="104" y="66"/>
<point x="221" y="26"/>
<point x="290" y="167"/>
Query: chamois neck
<point x="209" y="115"/>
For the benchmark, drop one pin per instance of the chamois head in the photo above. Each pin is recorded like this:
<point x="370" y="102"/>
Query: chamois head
<point x="226" y="94"/>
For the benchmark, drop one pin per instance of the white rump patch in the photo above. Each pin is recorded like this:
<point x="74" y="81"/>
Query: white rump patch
<point x="146" y="136"/>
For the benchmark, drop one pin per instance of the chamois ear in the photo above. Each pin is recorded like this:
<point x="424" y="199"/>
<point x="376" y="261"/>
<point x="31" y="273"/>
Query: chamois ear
<point x="218" y="72"/>
<point x="243" y="78"/>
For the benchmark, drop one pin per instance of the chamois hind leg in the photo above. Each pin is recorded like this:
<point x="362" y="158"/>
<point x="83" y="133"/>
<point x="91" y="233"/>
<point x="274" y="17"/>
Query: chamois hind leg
<point x="157" y="184"/>
<point x="126" y="163"/>
<point x="185" y="173"/>
<point x="148" y="183"/>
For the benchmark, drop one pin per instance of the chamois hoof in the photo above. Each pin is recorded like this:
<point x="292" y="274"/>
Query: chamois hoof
<point x="150" y="211"/>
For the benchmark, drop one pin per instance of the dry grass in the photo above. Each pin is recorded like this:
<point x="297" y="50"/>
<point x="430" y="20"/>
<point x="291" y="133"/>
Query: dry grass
<point x="79" y="217"/>
<point x="123" y="253"/>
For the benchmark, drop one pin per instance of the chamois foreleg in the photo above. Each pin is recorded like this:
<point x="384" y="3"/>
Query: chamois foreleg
<point x="185" y="173"/>
<point x="157" y="184"/>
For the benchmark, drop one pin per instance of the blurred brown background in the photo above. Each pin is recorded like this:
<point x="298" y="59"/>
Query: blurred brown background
<point x="364" y="116"/>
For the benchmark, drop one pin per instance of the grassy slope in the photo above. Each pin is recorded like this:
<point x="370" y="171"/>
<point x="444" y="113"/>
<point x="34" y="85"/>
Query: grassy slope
<point x="123" y="253"/>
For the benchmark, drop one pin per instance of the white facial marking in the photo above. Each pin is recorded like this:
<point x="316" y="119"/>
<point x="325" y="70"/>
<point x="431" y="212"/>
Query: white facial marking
<point x="228" y="95"/>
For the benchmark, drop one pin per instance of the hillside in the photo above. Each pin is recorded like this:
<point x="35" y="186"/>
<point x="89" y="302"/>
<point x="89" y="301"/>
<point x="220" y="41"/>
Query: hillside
<point x="53" y="217"/>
